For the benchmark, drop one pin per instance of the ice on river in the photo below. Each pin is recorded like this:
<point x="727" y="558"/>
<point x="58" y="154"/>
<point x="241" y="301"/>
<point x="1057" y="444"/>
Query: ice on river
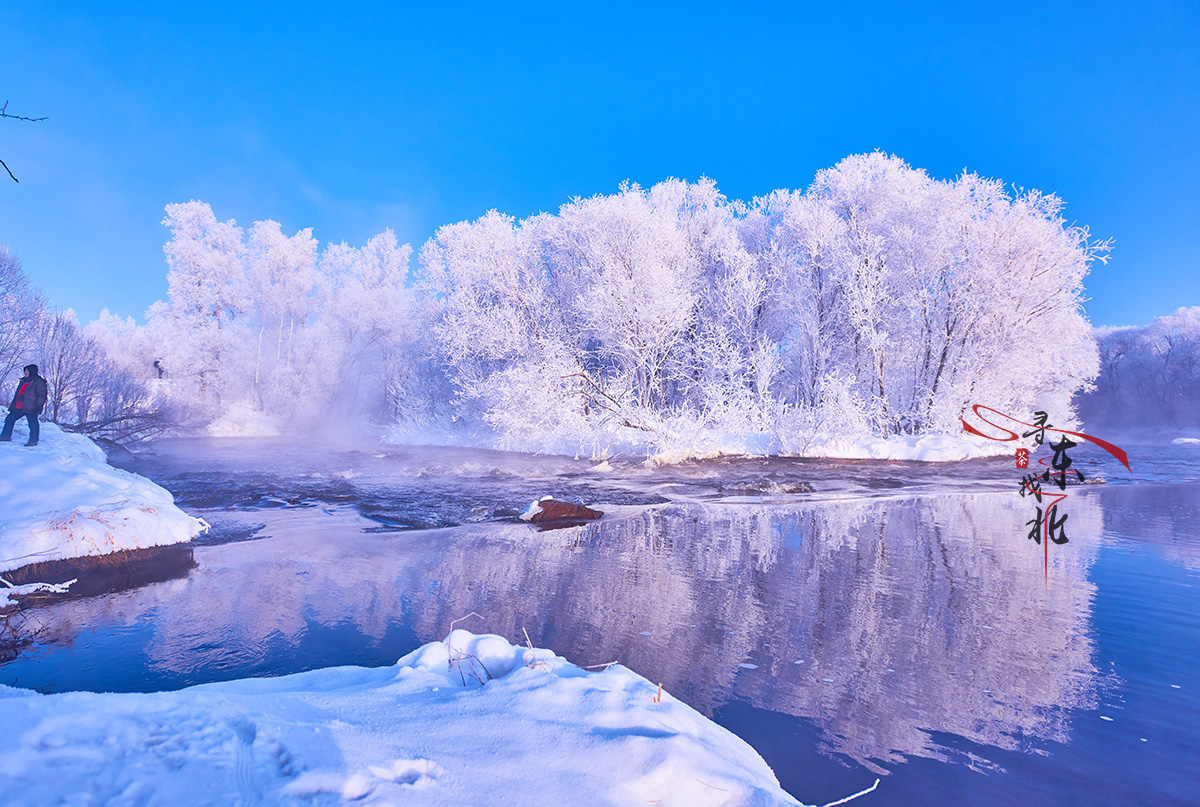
<point x="469" y="720"/>
<point x="61" y="499"/>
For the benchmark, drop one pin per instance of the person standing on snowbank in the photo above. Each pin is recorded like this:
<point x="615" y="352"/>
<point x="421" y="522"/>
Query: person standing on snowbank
<point x="27" y="403"/>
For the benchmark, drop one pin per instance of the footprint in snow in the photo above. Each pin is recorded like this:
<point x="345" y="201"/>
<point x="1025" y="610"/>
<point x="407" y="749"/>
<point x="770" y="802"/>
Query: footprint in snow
<point x="243" y="761"/>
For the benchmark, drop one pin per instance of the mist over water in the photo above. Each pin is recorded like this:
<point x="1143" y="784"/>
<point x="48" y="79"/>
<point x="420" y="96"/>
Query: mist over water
<point x="847" y="618"/>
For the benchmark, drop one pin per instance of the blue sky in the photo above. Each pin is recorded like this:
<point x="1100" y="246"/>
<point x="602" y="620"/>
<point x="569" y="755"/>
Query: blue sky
<point x="356" y="118"/>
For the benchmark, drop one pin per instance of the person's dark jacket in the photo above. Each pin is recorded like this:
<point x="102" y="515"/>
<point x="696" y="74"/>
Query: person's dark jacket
<point x="35" y="396"/>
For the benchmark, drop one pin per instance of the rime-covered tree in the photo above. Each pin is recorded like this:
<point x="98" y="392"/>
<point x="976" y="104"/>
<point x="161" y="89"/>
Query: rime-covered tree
<point x="267" y="331"/>
<point x="880" y="300"/>
<point x="20" y="308"/>
<point x="206" y="287"/>
<point x="282" y="286"/>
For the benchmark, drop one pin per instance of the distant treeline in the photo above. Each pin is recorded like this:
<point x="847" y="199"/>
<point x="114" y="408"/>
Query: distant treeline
<point x="879" y="301"/>
<point x="1149" y="376"/>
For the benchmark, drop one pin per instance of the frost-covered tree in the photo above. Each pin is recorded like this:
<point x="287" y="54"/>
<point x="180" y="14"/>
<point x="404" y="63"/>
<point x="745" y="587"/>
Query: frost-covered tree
<point x="20" y="308"/>
<point x="281" y="285"/>
<point x="365" y="332"/>
<point x="206" y="286"/>
<point x="880" y="300"/>
<point x="89" y="392"/>
<point x="264" y="331"/>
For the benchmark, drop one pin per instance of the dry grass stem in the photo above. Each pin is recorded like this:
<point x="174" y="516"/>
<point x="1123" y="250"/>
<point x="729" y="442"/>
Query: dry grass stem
<point x="465" y="663"/>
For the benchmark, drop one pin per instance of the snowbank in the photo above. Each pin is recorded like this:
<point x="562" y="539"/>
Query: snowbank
<point x="703" y="443"/>
<point x="927" y="448"/>
<point x="473" y="720"/>
<point x="61" y="499"/>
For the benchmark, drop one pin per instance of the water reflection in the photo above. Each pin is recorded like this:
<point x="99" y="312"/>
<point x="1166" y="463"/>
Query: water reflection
<point x="318" y="592"/>
<point x="908" y="617"/>
<point x="1162" y="515"/>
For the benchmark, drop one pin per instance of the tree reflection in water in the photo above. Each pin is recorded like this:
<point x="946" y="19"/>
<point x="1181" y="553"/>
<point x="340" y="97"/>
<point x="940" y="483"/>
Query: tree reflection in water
<point x="909" y="616"/>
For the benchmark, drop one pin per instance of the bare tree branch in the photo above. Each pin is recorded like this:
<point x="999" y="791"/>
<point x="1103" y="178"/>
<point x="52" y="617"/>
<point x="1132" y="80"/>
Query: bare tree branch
<point x="4" y="114"/>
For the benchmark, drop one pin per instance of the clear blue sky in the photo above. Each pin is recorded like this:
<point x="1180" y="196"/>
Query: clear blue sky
<point x="350" y="118"/>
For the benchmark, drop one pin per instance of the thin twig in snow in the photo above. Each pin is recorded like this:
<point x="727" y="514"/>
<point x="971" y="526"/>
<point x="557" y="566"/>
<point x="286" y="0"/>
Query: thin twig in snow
<point x="855" y="796"/>
<point x="456" y="657"/>
<point x="464" y="618"/>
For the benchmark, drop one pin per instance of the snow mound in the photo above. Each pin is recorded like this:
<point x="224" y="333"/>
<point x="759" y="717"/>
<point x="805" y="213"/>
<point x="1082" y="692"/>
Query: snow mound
<point x="1186" y="441"/>
<point x="469" y="720"/>
<point x="61" y="499"/>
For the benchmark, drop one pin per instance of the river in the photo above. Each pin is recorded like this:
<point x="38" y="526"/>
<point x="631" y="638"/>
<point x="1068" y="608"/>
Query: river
<point x="848" y="619"/>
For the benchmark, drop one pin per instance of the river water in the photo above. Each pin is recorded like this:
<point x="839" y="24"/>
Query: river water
<point x="847" y="619"/>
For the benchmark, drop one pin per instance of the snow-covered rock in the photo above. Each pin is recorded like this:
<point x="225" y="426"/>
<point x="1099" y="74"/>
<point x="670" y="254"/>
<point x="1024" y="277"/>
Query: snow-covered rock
<point x="548" y="510"/>
<point x="471" y="720"/>
<point x="61" y="499"/>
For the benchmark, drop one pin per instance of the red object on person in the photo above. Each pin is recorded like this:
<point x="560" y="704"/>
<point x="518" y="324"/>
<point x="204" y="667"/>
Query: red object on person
<point x="1022" y="457"/>
<point x="20" y="404"/>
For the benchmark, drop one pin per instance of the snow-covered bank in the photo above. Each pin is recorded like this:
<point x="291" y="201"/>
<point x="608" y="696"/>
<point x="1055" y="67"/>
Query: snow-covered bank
<point x="473" y="720"/>
<point x="708" y="443"/>
<point x="923" y="448"/>
<point x="61" y="499"/>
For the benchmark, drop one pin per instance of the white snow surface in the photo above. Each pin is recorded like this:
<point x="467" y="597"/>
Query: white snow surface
<point x="1185" y="441"/>
<point x="61" y="499"/>
<point x="534" y="508"/>
<point x="706" y="443"/>
<point x="8" y="591"/>
<point x="927" y="448"/>
<point x="923" y="448"/>
<point x="435" y="729"/>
